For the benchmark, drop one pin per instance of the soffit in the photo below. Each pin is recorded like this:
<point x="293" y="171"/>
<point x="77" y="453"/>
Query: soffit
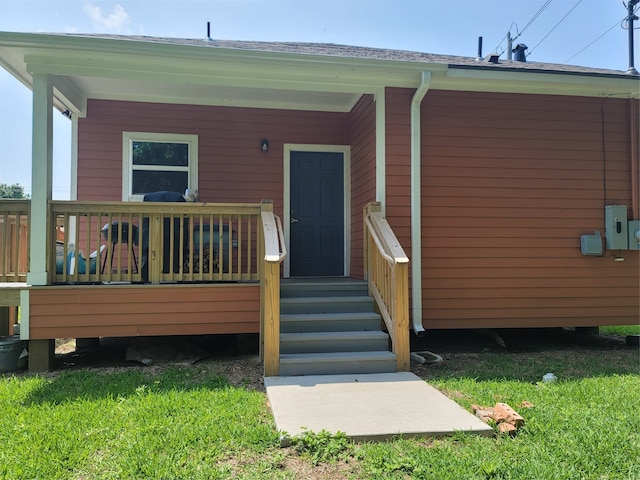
<point x="220" y="95"/>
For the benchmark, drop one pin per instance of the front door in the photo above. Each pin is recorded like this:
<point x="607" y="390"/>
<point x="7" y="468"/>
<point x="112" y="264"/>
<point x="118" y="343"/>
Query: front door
<point x="317" y="213"/>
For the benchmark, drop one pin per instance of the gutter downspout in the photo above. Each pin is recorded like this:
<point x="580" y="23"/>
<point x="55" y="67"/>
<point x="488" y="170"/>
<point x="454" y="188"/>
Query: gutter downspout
<point x="416" y="211"/>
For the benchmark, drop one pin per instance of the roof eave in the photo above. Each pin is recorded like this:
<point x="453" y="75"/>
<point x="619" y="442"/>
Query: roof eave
<point x="532" y="81"/>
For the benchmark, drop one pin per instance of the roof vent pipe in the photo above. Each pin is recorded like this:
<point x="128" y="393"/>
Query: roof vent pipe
<point x="630" y="18"/>
<point x="479" y="57"/>
<point x="520" y="56"/>
<point x="209" y="32"/>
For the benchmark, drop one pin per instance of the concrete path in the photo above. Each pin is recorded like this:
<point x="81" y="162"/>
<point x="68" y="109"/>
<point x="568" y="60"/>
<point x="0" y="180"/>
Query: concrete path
<point x="366" y="407"/>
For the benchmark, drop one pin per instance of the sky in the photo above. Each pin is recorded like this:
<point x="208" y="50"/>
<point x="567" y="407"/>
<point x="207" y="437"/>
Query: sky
<point x="578" y="32"/>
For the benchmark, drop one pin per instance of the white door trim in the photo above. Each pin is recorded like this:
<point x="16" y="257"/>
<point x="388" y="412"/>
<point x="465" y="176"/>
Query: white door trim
<point x="346" y="152"/>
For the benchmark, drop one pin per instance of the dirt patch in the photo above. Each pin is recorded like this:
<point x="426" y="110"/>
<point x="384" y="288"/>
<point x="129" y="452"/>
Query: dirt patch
<point x="65" y="346"/>
<point x="464" y="353"/>
<point x="303" y="469"/>
<point x="244" y="371"/>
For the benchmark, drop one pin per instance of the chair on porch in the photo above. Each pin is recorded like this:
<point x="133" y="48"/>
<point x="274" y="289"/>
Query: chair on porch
<point x="117" y="239"/>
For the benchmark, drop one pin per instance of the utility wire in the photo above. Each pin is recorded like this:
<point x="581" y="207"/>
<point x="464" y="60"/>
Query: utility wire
<point x="537" y="14"/>
<point x="504" y="38"/>
<point x="576" y="54"/>
<point x="546" y="4"/>
<point x="556" y="26"/>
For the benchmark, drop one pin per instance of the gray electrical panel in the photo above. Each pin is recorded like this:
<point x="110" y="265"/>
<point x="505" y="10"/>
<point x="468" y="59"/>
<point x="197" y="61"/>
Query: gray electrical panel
<point x="634" y="234"/>
<point x="615" y="222"/>
<point x="591" y="245"/>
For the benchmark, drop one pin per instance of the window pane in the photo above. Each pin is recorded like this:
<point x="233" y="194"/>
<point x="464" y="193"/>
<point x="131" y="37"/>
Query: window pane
<point x="145" y="181"/>
<point x="160" y="153"/>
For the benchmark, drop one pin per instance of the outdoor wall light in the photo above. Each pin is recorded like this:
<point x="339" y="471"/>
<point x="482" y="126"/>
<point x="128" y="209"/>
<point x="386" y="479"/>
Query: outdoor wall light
<point x="264" y="145"/>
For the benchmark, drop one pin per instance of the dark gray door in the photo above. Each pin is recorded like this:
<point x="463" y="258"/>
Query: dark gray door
<point x="317" y="214"/>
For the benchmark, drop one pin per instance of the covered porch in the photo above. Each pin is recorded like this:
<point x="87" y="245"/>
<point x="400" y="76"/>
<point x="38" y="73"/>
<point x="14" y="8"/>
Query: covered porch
<point x="125" y="267"/>
<point x="171" y="269"/>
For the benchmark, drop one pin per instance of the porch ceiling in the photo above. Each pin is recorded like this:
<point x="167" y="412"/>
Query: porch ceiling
<point x="225" y="95"/>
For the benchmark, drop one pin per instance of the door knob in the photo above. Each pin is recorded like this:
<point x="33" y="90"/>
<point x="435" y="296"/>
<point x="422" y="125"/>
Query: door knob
<point x="294" y="220"/>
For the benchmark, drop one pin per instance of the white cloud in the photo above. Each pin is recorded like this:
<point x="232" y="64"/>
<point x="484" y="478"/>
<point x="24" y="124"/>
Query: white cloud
<point x="116" y="20"/>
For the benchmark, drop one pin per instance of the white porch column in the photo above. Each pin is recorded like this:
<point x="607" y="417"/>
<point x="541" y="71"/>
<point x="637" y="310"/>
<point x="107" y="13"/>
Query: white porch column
<point x="381" y="149"/>
<point x="41" y="177"/>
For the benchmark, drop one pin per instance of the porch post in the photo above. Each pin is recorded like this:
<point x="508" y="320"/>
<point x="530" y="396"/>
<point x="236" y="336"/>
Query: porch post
<point x="381" y="149"/>
<point x="40" y="351"/>
<point x="41" y="178"/>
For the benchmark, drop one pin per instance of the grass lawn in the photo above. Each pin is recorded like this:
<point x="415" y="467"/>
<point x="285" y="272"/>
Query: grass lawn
<point x="190" y="422"/>
<point x="622" y="330"/>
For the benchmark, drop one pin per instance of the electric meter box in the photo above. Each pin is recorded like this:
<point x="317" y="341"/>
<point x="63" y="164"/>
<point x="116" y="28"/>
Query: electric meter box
<point x="634" y="235"/>
<point x="615" y="222"/>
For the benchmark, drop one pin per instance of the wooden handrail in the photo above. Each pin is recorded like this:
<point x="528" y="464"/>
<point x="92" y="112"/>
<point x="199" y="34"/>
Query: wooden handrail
<point x="274" y="253"/>
<point x="387" y="273"/>
<point x="14" y="241"/>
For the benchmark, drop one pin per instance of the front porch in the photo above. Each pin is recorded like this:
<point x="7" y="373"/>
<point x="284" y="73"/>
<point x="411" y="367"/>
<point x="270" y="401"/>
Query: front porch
<point x="171" y="269"/>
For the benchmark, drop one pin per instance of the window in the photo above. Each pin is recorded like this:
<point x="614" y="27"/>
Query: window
<point x="158" y="161"/>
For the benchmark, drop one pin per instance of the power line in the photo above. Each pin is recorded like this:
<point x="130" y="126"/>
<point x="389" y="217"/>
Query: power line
<point x="576" y="54"/>
<point x="537" y="14"/>
<point x="556" y="26"/>
<point x="546" y="4"/>
<point x="504" y="38"/>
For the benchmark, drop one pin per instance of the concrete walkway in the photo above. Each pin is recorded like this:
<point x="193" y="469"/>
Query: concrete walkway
<point x="366" y="407"/>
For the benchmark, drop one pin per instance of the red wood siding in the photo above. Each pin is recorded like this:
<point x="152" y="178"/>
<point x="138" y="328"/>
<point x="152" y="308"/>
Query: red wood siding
<point x="398" y="167"/>
<point x="132" y="310"/>
<point x="362" y="121"/>
<point x="509" y="184"/>
<point x="231" y="166"/>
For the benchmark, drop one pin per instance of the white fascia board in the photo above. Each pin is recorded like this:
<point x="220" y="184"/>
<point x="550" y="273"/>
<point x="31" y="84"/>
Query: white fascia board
<point x="541" y="82"/>
<point x="65" y="94"/>
<point x="15" y="71"/>
<point x="265" y="73"/>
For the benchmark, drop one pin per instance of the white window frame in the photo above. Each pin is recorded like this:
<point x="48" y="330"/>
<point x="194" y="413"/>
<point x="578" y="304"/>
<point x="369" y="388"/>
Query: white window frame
<point x="127" y="159"/>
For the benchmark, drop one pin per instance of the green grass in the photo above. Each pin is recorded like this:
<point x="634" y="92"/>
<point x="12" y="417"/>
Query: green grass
<point x="573" y="430"/>
<point x="179" y="423"/>
<point x="188" y="423"/>
<point x="621" y="330"/>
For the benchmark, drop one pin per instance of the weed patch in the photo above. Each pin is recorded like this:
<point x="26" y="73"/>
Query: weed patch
<point x="323" y="446"/>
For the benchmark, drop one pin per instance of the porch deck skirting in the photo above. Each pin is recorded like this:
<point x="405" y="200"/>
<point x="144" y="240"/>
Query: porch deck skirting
<point x="87" y="311"/>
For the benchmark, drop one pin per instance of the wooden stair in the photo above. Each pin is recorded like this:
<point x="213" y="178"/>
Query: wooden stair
<point x="329" y="327"/>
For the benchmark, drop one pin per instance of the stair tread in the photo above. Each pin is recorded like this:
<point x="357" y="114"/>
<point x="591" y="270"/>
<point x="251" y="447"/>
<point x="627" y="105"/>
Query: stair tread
<point x="332" y="356"/>
<point x="337" y="298"/>
<point x="334" y="282"/>
<point x="347" y="334"/>
<point x="328" y="316"/>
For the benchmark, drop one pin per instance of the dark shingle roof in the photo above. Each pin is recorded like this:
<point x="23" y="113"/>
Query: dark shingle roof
<point x="365" y="53"/>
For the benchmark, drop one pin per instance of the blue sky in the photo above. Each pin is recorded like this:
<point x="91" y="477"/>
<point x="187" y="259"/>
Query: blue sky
<point x="580" y="32"/>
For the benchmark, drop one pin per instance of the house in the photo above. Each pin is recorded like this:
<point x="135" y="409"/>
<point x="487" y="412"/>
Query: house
<point x="512" y="187"/>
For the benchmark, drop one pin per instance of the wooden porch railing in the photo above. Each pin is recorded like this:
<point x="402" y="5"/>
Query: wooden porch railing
<point x="387" y="272"/>
<point x="273" y="253"/>
<point x="14" y="241"/>
<point x="154" y="242"/>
